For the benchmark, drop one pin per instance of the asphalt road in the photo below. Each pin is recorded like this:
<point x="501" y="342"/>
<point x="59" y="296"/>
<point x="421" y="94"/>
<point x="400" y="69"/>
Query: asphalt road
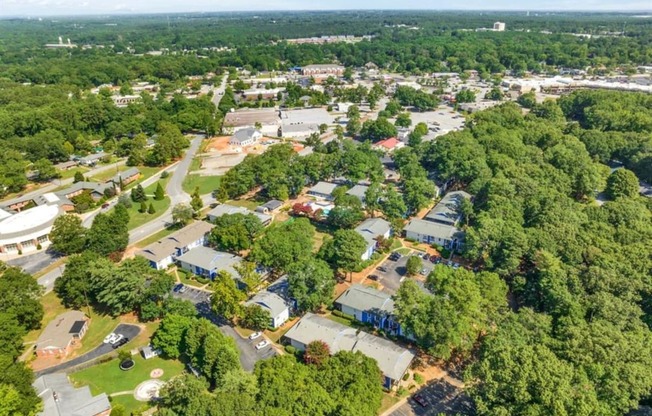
<point x="35" y="262"/>
<point x="248" y="353"/>
<point x="129" y="331"/>
<point x="396" y="272"/>
<point x="48" y="279"/>
<point x="441" y="398"/>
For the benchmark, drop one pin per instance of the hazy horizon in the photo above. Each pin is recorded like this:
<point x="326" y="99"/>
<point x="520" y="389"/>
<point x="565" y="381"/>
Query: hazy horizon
<point x="42" y="8"/>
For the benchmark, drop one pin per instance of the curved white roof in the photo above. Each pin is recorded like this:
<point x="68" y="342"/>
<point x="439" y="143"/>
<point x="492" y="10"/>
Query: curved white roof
<point x="29" y="219"/>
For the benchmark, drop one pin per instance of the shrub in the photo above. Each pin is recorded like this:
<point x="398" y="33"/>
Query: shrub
<point x="342" y="315"/>
<point x="202" y="279"/>
<point x="39" y="246"/>
<point x="418" y="378"/>
<point x="291" y="349"/>
<point x="406" y="376"/>
<point x="165" y="174"/>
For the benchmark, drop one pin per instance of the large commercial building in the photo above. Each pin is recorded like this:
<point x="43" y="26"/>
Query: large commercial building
<point x="26" y="230"/>
<point x="323" y="69"/>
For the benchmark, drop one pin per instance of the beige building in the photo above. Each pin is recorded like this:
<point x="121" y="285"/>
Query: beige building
<point x="62" y="334"/>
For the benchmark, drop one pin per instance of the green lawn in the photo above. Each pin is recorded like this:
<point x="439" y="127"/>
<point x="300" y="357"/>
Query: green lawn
<point x="136" y="219"/>
<point x="108" y="378"/>
<point x="403" y="251"/>
<point x="206" y="184"/>
<point x="244" y="203"/>
<point x="70" y="173"/>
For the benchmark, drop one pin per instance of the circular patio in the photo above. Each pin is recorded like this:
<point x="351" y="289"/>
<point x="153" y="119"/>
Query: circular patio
<point x="148" y="390"/>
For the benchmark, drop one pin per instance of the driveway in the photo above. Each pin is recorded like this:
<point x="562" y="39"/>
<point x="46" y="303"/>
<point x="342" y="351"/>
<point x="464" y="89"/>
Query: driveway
<point x="47" y="280"/>
<point x="127" y="330"/>
<point x="441" y="398"/>
<point x="397" y="272"/>
<point x="248" y="354"/>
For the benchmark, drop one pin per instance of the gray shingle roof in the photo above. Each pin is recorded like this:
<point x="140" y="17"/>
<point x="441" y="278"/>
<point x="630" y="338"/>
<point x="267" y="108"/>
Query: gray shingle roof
<point x="447" y="210"/>
<point x="167" y="246"/>
<point x="372" y="228"/>
<point x="57" y="334"/>
<point x="323" y="188"/>
<point x="392" y="359"/>
<point x="209" y="259"/>
<point x="270" y="301"/>
<point x="124" y="175"/>
<point x="366" y="298"/>
<point x="243" y="135"/>
<point x="70" y="401"/>
<point x="358" y="191"/>
<point x="434" y="229"/>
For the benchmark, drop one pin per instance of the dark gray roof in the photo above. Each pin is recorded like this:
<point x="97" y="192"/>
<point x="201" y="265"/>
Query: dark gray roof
<point x="273" y="204"/>
<point x="392" y="359"/>
<point x="70" y="401"/>
<point x="58" y="333"/>
<point x="447" y="210"/>
<point x="372" y="228"/>
<point x="209" y="259"/>
<point x="366" y="298"/>
<point x="93" y="157"/>
<point x="83" y="186"/>
<point x="124" y="175"/>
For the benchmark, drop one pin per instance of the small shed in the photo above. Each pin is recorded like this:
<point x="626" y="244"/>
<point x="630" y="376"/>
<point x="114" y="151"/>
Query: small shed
<point x="150" y="352"/>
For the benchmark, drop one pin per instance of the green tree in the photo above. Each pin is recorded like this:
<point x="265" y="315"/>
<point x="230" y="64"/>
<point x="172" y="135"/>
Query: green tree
<point x="392" y="204"/>
<point x="143" y="207"/>
<point x="79" y="177"/>
<point x="413" y="265"/>
<point x="311" y="284"/>
<point x="282" y="245"/>
<point x="171" y="334"/>
<point x="182" y="214"/>
<point x="159" y="194"/>
<point x="68" y="235"/>
<point x="73" y="287"/>
<point x="344" y="251"/>
<point x="196" y="202"/>
<point x="465" y="96"/>
<point x="226" y="297"/>
<point x="150" y="209"/>
<point x="20" y="298"/>
<point x="45" y="170"/>
<point x="403" y="120"/>
<point x="138" y="194"/>
<point x="235" y="232"/>
<point x="622" y="183"/>
<point x="255" y="318"/>
<point x="527" y="100"/>
<point x="379" y="129"/>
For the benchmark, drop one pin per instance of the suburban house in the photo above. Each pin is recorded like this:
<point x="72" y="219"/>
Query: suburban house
<point x="127" y="177"/>
<point x="439" y="226"/>
<point x="278" y="308"/>
<point x="370" y="306"/>
<point x="270" y="206"/>
<point x="164" y="252"/>
<point x="371" y="229"/>
<point x="95" y="189"/>
<point x="61" y="398"/>
<point x="226" y="209"/>
<point x="389" y="145"/>
<point x="91" y="160"/>
<point x="62" y="334"/>
<point x="393" y="360"/>
<point x="323" y="190"/>
<point x="245" y="137"/>
<point x="206" y="262"/>
<point x="65" y="165"/>
<point x="358" y="191"/>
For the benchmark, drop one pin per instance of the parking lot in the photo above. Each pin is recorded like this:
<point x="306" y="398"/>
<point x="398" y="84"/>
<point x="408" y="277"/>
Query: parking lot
<point x="396" y="272"/>
<point x="438" y="397"/>
<point x="248" y="353"/>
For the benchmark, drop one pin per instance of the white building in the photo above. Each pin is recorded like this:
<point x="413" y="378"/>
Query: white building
<point x="499" y="26"/>
<point x="245" y="137"/>
<point x="24" y="231"/>
<point x="278" y="308"/>
<point x="164" y="252"/>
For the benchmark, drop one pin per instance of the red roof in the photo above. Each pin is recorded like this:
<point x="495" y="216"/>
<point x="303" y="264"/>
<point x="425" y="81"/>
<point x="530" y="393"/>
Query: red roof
<point x="388" y="143"/>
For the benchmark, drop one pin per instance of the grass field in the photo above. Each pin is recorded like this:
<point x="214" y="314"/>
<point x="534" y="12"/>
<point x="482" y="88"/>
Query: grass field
<point x="206" y="184"/>
<point x="387" y="402"/>
<point x="136" y="219"/>
<point x="108" y="378"/>
<point x="70" y="173"/>
<point x="244" y="203"/>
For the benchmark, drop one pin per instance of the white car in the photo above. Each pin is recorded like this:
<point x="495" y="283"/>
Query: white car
<point x="117" y="338"/>
<point x="111" y="338"/>
<point x="262" y="344"/>
<point x="255" y="335"/>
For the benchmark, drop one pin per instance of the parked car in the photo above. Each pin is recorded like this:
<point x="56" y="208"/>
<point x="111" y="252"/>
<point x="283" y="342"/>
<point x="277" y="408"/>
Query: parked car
<point x="426" y="256"/>
<point x="255" y="335"/>
<point x="120" y="343"/>
<point x="433" y="258"/>
<point x="105" y="205"/>
<point x="116" y="339"/>
<point x="262" y="344"/>
<point x="373" y="277"/>
<point x="424" y="271"/>
<point x="183" y="289"/>
<point x="381" y="268"/>
<point x="177" y="288"/>
<point x="111" y="338"/>
<point x="420" y="400"/>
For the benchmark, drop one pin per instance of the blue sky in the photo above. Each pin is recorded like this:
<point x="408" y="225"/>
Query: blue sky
<point x="76" y="7"/>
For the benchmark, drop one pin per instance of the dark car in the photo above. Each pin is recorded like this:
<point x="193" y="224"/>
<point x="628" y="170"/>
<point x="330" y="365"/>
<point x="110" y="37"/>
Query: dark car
<point x="373" y="277"/>
<point x="381" y="268"/>
<point x="419" y="399"/>
<point x="177" y="287"/>
<point x="433" y="258"/>
<point x="426" y="256"/>
<point x="120" y="343"/>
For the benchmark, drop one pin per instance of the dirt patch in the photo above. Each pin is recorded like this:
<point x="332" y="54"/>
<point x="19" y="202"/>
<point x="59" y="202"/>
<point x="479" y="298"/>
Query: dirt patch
<point x="218" y="144"/>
